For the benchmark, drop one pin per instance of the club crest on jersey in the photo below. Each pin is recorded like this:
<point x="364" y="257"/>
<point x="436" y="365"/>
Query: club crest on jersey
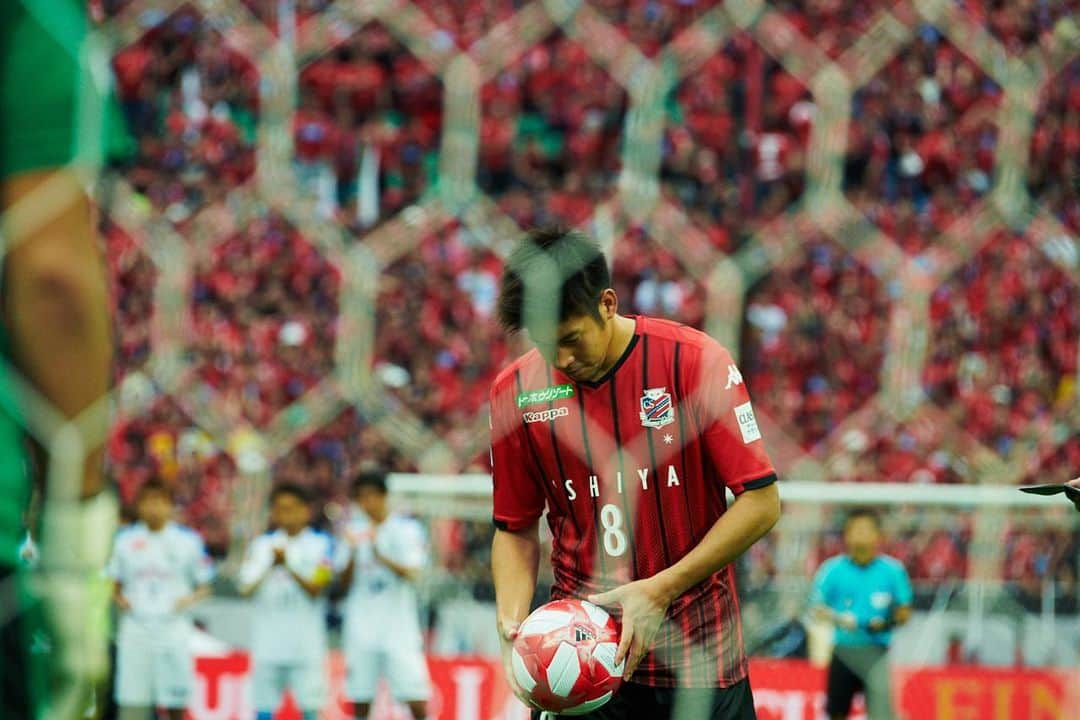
<point x="657" y="408"/>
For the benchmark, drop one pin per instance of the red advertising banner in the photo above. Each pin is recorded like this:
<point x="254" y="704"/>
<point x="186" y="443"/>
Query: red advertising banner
<point x="465" y="688"/>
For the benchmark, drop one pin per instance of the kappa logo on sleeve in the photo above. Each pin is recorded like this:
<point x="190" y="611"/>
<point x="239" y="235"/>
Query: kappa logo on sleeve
<point x="744" y="415"/>
<point x="734" y="377"/>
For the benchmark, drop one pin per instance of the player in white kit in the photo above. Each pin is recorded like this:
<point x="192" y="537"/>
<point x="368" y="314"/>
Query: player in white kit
<point x="380" y="557"/>
<point x="286" y="572"/>
<point x="160" y="569"/>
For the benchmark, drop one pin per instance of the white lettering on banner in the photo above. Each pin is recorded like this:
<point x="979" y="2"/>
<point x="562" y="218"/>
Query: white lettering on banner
<point x="230" y="693"/>
<point x="467" y="682"/>
<point x="781" y="704"/>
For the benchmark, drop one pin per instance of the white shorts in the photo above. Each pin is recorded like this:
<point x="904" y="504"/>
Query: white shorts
<point x="404" y="669"/>
<point x="306" y="680"/>
<point x="154" y="666"/>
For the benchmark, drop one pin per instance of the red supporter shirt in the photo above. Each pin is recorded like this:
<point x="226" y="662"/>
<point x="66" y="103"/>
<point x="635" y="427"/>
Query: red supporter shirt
<point x="632" y="471"/>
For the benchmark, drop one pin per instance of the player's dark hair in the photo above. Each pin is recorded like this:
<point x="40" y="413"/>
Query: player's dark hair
<point x="370" y="479"/>
<point x="154" y="486"/>
<point x="863" y="512"/>
<point x="552" y="264"/>
<point x="297" y="491"/>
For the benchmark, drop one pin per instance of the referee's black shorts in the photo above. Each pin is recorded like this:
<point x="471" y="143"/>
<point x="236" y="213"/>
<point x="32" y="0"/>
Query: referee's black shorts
<point x="640" y="702"/>
<point x="860" y="669"/>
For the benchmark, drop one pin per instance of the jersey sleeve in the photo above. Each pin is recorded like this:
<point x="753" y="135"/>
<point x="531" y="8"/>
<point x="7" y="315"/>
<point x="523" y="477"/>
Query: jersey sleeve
<point x="518" y="499"/>
<point x="729" y="428"/>
<point x="255" y="562"/>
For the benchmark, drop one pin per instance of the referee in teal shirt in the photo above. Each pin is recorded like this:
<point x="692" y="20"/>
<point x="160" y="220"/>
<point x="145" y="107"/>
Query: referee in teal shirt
<point x="865" y="595"/>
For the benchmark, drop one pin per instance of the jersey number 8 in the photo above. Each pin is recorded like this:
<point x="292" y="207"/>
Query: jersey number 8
<point x="614" y="538"/>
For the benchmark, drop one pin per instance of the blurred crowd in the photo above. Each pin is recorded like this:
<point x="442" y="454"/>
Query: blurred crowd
<point x="262" y="308"/>
<point x="1003" y="354"/>
<point x="814" y="341"/>
<point x="191" y="103"/>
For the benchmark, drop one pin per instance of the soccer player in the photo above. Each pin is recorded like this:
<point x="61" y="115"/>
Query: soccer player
<point x="160" y="569"/>
<point x="56" y="334"/>
<point x="286" y="572"/>
<point x="628" y="430"/>
<point x="865" y="595"/>
<point x="380" y="557"/>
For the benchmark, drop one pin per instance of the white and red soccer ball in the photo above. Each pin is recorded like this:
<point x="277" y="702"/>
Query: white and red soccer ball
<point x="563" y="658"/>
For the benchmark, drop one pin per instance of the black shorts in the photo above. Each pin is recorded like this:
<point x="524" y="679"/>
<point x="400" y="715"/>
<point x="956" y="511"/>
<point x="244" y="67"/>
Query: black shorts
<point x="640" y="702"/>
<point x="858" y="670"/>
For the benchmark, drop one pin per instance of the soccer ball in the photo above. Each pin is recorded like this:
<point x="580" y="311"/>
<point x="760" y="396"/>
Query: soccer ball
<point x="563" y="658"/>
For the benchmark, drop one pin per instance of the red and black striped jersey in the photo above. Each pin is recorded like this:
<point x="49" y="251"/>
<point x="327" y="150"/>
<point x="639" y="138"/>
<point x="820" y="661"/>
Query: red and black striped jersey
<point x="632" y="471"/>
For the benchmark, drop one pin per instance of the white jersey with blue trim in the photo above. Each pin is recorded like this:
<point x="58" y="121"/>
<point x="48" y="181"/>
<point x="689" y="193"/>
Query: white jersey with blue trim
<point x="378" y="598"/>
<point x="288" y="624"/>
<point x="156" y="569"/>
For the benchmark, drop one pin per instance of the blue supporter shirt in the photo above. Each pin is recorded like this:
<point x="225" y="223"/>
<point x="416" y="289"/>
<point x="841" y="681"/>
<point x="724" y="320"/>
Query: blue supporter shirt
<point x="868" y="591"/>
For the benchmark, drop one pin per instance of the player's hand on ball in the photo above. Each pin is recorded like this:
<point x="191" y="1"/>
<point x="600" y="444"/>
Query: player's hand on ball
<point x="644" y="606"/>
<point x="508" y="632"/>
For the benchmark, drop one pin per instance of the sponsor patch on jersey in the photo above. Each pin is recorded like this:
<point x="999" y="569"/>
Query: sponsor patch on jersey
<point x="657" y="408"/>
<point x="545" y="395"/>
<point x="744" y="415"/>
<point x="545" y="415"/>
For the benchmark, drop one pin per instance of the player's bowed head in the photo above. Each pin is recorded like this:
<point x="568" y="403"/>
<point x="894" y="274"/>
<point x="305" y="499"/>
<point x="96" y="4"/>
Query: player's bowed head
<point x="557" y="287"/>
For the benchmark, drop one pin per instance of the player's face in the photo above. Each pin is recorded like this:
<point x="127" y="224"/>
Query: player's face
<point x="862" y="539"/>
<point x="372" y="501"/>
<point x="154" y="508"/>
<point x="579" y="347"/>
<point x="290" y="513"/>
